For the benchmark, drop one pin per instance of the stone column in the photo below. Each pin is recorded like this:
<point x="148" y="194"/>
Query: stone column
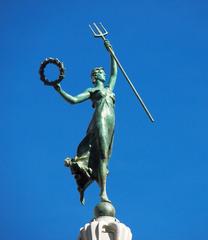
<point x="105" y="228"/>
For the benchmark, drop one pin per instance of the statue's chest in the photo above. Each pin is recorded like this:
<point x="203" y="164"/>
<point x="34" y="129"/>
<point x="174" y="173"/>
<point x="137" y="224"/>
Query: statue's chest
<point x="101" y="95"/>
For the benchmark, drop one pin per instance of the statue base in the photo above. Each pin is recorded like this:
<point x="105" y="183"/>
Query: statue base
<point x="105" y="228"/>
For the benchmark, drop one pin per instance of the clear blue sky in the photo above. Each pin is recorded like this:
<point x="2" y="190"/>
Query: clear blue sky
<point x="158" y="172"/>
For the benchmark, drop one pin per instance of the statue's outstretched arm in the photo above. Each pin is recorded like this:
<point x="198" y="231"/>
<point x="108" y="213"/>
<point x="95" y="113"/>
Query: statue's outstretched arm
<point x="72" y="99"/>
<point x="113" y="74"/>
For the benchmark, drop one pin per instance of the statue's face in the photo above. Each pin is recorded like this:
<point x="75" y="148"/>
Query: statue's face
<point x="98" y="74"/>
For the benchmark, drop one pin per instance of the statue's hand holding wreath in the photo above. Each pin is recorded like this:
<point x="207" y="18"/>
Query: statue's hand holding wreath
<point x="57" y="87"/>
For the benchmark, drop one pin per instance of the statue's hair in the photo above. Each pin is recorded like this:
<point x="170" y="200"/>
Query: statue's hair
<point x="94" y="70"/>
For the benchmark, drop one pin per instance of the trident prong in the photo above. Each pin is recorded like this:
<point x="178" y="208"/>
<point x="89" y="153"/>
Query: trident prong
<point x="100" y="33"/>
<point x="94" y="33"/>
<point x="106" y="32"/>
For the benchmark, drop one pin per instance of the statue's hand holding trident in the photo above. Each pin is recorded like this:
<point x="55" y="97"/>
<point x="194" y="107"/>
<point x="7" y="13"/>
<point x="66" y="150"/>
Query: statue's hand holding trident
<point x="101" y="33"/>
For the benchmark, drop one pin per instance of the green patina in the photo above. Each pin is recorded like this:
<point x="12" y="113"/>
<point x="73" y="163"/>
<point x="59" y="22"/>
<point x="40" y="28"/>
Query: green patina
<point x="93" y="153"/>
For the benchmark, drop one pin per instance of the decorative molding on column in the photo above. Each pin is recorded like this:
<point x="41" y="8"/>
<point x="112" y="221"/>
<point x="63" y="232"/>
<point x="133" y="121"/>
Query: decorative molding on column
<point x="105" y="228"/>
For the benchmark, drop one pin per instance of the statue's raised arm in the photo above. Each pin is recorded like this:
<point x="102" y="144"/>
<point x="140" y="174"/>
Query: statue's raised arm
<point x="101" y="32"/>
<point x="113" y="73"/>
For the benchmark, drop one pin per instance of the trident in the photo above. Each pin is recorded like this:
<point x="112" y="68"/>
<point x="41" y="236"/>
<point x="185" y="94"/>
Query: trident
<point x="101" y="34"/>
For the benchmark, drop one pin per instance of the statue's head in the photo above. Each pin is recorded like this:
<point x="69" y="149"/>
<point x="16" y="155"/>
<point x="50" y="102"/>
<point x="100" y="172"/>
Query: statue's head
<point x="98" y="73"/>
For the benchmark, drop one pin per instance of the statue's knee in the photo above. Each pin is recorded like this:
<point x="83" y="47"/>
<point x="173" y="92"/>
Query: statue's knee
<point x="104" y="162"/>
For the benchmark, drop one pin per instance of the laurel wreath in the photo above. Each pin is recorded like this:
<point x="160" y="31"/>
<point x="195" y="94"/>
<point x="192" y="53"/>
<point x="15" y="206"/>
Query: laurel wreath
<point x="56" y="62"/>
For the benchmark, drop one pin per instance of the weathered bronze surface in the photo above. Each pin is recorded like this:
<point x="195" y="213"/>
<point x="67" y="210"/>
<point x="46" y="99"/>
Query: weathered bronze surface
<point x="93" y="153"/>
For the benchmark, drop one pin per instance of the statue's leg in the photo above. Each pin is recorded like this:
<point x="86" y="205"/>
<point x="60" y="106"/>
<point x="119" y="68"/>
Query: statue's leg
<point x="102" y="177"/>
<point x="102" y="168"/>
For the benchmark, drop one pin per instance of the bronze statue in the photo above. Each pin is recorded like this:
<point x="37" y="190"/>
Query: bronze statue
<point x="91" y="161"/>
<point x="93" y="153"/>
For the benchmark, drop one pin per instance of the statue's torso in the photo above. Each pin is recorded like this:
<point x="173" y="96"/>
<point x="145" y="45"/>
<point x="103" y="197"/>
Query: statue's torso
<point x="102" y="96"/>
<point x="103" y="100"/>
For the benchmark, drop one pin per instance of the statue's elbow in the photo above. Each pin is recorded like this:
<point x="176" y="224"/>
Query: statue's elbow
<point x="71" y="100"/>
<point x="74" y="101"/>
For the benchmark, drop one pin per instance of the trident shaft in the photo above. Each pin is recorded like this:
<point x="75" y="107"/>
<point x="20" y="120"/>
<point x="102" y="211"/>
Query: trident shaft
<point x="101" y="34"/>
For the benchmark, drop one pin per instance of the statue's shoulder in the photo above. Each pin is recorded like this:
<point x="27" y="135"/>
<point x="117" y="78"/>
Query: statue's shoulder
<point x="89" y="90"/>
<point x="92" y="90"/>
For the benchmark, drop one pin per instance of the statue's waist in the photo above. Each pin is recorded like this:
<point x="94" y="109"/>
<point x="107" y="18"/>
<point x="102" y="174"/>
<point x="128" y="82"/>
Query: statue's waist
<point x="109" y="101"/>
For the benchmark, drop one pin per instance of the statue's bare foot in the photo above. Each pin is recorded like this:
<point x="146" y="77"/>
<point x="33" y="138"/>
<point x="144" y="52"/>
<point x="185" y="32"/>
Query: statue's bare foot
<point x="67" y="162"/>
<point x="104" y="198"/>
